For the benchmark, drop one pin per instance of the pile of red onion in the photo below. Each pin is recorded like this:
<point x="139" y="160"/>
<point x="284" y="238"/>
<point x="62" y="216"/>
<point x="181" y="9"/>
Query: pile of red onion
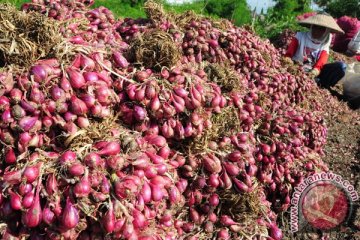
<point x="99" y="147"/>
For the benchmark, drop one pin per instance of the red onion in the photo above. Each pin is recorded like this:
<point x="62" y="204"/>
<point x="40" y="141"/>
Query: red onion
<point x="15" y="200"/>
<point x="48" y="216"/>
<point x="227" y="220"/>
<point x="150" y="172"/>
<point x="212" y="164"/>
<point x="78" y="106"/>
<point x="150" y="91"/>
<point x="76" y="79"/>
<point x="214" y="180"/>
<point x="252" y="170"/>
<point x="28" y="106"/>
<point x="120" y="60"/>
<point x="27" y="123"/>
<point x="108" y="220"/>
<point x="214" y="200"/>
<point x="164" y="73"/>
<point x="91" y="77"/>
<point x="70" y="117"/>
<point x="105" y="186"/>
<point x="70" y="215"/>
<point x="76" y="169"/>
<point x="57" y="93"/>
<point x="231" y="169"/>
<point x="4" y="103"/>
<point x="155" y="104"/>
<point x="25" y="188"/>
<point x="31" y="173"/>
<point x="139" y="113"/>
<point x="223" y="234"/>
<point x="156" y="192"/>
<point x="194" y="216"/>
<point x="65" y="84"/>
<point x="240" y="186"/>
<point x="275" y="232"/>
<point x="156" y="159"/>
<point x="82" y="188"/>
<point x="67" y="157"/>
<point x="37" y="96"/>
<point x="140" y="94"/>
<point x="33" y="216"/>
<point x="174" y="194"/>
<point x="28" y="200"/>
<point x="146" y="192"/>
<point x="16" y="95"/>
<point x="83" y="122"/>
<point x="10" y="157"/>
<point x="87" y="63"/>
<point x="110" y="149"/>
<point x="12" y="177"/>
<point x="77" y="40"/>
<point x="139" y="221"/>
<point x="89" y="100"/>
<point x="141" y="76"/>
<point x="39" y="73"/>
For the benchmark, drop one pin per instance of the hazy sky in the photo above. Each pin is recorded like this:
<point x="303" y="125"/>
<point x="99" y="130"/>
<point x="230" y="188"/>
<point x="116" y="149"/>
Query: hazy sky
<point x="259" y="4"/>
<point x="253" y="3"/>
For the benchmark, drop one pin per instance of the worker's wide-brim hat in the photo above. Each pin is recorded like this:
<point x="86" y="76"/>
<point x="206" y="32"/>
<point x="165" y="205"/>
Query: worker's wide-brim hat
<point x="322" y="20"/>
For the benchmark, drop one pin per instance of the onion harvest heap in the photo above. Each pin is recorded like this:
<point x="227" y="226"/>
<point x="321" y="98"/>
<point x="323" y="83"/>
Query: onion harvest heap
<point x="170" y="127"/>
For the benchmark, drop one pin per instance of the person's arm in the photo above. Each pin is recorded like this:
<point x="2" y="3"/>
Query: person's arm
<point x="324" y="55"/>
<point x="292" y="48"/>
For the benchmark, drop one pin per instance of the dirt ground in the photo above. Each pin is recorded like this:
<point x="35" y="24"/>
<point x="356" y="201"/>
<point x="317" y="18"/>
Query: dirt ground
<point x="342" y="154"/>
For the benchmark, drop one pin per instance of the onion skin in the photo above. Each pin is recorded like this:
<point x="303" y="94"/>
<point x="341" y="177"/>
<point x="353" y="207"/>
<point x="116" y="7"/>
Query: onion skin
<point x="120" y="60"/>
<point x="15" y="201"/>
<point x="27" y="123"/>
<point x="275" y="232"/>
<point x="82" y="188"/>
<point x="48" y="216"/>
<point x="32" y="217"/>
<point x="108" y="221"/>
<point x="70" y="216"/>
<point x="76" y="79"/>
<point x="28" y="200"/>
<point x="110" y="149"/>
<point x="51" y="184"/>
<point x="10" y="157"/>
<point x="78" y="106"/>
<point x="31" y="173"/>
<point x="39" y="73"/>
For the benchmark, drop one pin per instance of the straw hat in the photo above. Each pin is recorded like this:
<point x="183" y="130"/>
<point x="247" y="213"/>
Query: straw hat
<point x="322" y="20"/>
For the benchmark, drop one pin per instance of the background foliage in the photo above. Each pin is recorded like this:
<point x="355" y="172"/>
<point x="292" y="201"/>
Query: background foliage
<point x="338" y="8"/>
<point x="278" y="18"/>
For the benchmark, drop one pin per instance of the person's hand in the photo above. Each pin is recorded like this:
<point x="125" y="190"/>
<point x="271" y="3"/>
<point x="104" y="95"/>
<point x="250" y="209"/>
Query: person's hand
<point x="314" y="72"/>
<point x="287" y="60"/>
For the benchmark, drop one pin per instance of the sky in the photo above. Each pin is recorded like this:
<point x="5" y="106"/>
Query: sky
<point x="258" y="4"/>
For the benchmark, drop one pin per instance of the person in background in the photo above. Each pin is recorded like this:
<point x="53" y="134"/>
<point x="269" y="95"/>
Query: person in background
<point x="311" y="50"/>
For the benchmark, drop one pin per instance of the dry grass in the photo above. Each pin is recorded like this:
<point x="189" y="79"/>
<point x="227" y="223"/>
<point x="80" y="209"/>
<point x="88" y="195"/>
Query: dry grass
<point x="155" y="49"/>
<point x="25" y="37"/>
<point x="224" y="75"/>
